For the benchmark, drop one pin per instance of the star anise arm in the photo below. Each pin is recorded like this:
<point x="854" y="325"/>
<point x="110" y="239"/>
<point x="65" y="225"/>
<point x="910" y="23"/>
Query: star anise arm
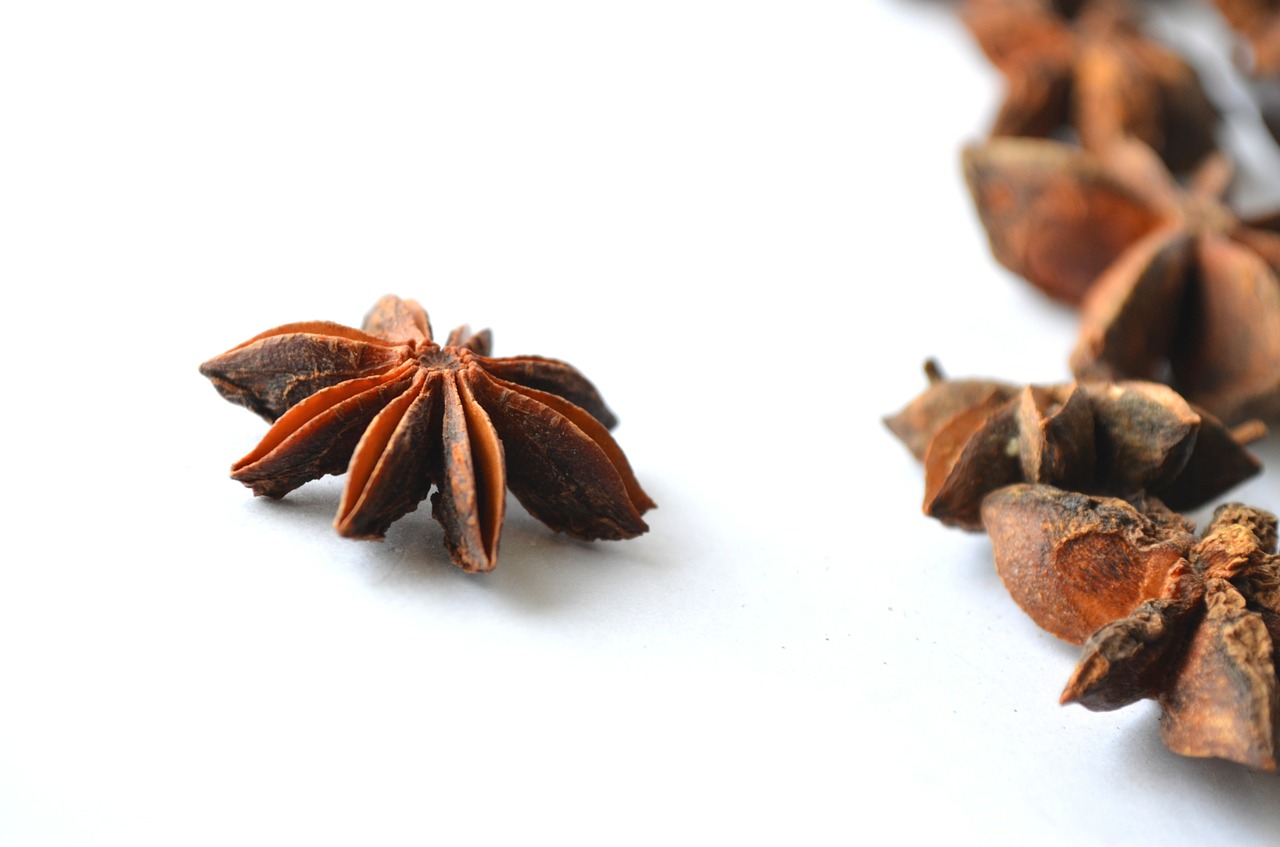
<point x="1076" y="563"/>
<point x="1128" y="660"/>
<point x="1043" y="435"/>
<point x="553" y="377"/>
<point x="1036" y="101"/>
<point x="1267" y="222"/>
<point x="1129" y="318"/>
<point x="1261" y="239"/>
<point x="276" y="369"/>
<point x="1127" y="85"/>
<point x="1258" y="22"/>
<point x="921" y="419"/>
<point x="398" y="320"/>
<point x="1212" y="177"/>
<point x="390" y="472"/>
<point x="1234" y="374"/>
<point x="1218" y="462"/>
<point x="1223" y="700"/>
<point x="1053" y="214"/>
<point x="968" y="458"/>
<point x="562" y="464"/>
<point x="471" y="500"/>
<point x="1011" y="32"/>
<point x="480" y="343"/>
<point x="1056" y="429"/>
<point x="319" y="434"/>
<point x="1145" y="434"/>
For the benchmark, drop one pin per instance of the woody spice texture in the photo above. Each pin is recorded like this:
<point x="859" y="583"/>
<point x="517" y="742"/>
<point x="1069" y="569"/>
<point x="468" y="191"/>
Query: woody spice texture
<point x="401" y="415"/>
<point x="1188" y="622"/>
<point x="1120" y="438"/>
<point x="1103" y="186"/>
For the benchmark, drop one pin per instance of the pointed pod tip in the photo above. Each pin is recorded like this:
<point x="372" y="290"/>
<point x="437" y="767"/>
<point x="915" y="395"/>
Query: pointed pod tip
<point x="348" y="529"/>
<point x="1249" y="432"/>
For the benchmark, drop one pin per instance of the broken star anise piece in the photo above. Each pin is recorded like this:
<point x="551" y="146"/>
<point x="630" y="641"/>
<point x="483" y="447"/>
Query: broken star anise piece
<point x="1175" y="288"/>
<point x="1124" y="438"/>
<point x="1189" y="622"/>
<point x="401" y="414"/>
<point x="1091" y="67"/>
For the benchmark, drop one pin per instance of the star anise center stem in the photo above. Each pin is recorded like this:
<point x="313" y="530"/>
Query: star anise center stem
<point x="1205" y="215"/>
<point x="434" y="357"/>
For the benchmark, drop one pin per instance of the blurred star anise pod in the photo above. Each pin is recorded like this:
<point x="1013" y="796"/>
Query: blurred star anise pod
<point x="1126" y="438"/>
<point x="1189" y="622"/>
<point x="1173" y="286"/>
<point x="401" y="414"/>
<point x="1258" y="22"/>
<point x="1089" y="66"/>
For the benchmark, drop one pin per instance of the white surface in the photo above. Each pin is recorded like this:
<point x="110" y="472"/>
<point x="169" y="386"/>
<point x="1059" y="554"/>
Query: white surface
<point x="745" y="222"/>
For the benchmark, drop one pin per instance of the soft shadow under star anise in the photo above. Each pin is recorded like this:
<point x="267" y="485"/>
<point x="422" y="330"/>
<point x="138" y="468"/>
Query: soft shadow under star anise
<point x="401" y="414"/>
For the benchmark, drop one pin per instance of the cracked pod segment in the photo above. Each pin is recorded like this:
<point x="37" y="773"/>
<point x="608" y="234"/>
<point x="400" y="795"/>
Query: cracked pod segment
<point x="1190" y="622"/>
<point x="1124" y="438"/>
<point x="401" y="415"/>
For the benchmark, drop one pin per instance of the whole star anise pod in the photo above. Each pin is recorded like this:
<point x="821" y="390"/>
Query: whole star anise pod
<point x="1189" y="622"/>
<point x="1126" y="438"/>
<point x="1088" y="65"/>
<point x="1173" y="286"/>
<point x="401" y="414"/>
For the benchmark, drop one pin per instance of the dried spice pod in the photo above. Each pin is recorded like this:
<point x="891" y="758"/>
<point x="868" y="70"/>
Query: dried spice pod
<point x="1258" y="22"/>
<point x="1075" y="562"/>
<point x="402" y="414"/>
<point x="1122" y="438"/>
<point x="1173" y="287"/>
<point x="1088" y="65"/>
<point x="919" y="422"/>
<point x="1196" y="619"/>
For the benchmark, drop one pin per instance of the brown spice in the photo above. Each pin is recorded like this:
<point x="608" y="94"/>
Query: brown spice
<point x="401" y="414"/>
<point x="1127" y="438"/>
<point x="1258" y="22"/>
<point x="1173" y="286"/>
<point x="1191" y="623"/>
<point x="1088" y="65"/>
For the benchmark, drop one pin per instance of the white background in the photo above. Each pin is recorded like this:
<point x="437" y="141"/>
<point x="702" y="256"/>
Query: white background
<point x="745" y="222"/>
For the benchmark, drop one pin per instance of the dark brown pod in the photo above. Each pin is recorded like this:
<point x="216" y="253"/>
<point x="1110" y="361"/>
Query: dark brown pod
<point x="1088" y="65"/>
<point x="1195" y="619"/>
<point x="403" y="415"/>
<point x="1117" y="439"/>
<point x="1172" y="286"/>
<point x="1075" y="563"/>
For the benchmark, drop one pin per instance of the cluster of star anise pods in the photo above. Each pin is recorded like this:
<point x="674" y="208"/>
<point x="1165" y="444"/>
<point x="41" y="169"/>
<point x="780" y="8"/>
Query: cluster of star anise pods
<point x="401" y="415"/>
<point x="1177" y="370"/>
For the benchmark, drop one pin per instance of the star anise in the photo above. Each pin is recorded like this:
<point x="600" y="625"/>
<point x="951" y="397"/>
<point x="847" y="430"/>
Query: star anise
<point x="1191" y="623"/>
<point x="1258" y="22"/>
<point x="1178" y="289"/>
<point x="1125" y="438"/>
<point x="401" y="414"/>
<point x="1088" y="65"/>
